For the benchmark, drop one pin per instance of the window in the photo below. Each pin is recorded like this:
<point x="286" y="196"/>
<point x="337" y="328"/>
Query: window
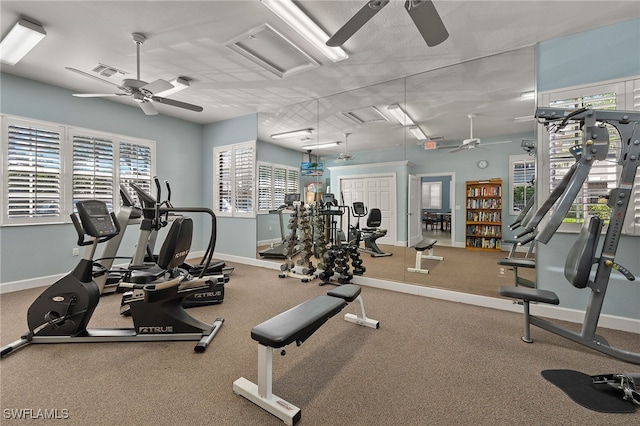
<point x="274" y="181"/>
<point x="522" y="173"/>
<point x="603" y="177"/>
<point x="33" y="190"/>
<point x="432" y="195"/>
<point x="49" y="168"/>
<point x="234" y="179"/>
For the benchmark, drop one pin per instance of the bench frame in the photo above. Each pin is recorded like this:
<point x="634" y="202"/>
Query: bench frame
<point x="262" y="394"/>
<point x="420" y="256"/>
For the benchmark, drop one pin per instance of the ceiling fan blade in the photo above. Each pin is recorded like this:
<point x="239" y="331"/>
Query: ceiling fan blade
<point x="458" y="148"/>
<point x="157" y="86"/>
<point x="356" y="22"/>
<point x="148" y="108"/>
<point x="97" y="95"/>
<point x="427" y="20"/>
<point x="178" y="104"/>
<point x="93" y="76"/>
<point x="496" y="143"/>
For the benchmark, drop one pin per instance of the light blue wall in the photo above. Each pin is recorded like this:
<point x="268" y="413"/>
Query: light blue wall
<point x="236" y="236"/>
<point x="603" y="54"/>
<point x="32" y="251"/>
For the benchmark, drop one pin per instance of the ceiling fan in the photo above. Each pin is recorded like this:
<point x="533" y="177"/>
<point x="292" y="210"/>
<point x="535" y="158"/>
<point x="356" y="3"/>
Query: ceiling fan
<point x="345" y="155"/>
<point x="142" y="92"/>
<point x="422" y="12"/>
<point x="472" y="142"/>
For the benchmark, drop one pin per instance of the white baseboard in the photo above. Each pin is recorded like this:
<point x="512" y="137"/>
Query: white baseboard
<point x="630" y="325"/>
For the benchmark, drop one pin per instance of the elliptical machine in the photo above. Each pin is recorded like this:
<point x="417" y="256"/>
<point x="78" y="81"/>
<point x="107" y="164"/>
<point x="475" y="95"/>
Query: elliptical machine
<point x="61" y="313"/>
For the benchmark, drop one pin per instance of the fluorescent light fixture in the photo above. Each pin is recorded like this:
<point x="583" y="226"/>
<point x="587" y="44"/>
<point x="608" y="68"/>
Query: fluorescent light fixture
<point x="299" y="21"/>
<point x="178" y="85"/>
<point x="23" y="37"/>
<point x="527" y="96"/>
<point x="292" y="134"/>
<point x="321" y="145"/>
<point x="417" y="132"/>
<point x="400" y="115"/>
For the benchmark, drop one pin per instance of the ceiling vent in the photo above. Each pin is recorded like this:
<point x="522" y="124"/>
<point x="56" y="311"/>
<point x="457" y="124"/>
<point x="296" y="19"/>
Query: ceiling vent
<point x="108" y="72"/>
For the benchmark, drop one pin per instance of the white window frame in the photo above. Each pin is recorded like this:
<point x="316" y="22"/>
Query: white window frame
<point x="66" y="190"/>
<point x="274" y="197"/>
<point x="627" y="94"/>
<point x="513" y="161"/>
<point x="248" y="183"/>
<point x="428" y="200"/>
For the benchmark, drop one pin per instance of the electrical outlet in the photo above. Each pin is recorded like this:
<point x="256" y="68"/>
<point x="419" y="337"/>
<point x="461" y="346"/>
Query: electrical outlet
<point x="75" y="251"/>
<point x="501" y="272"/>
<point x="270" y="228"/>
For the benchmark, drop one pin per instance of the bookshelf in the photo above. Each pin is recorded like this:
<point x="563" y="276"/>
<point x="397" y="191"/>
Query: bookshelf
<point x="484" y="214"/>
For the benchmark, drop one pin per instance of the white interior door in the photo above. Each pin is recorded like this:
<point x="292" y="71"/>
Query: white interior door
<point x="414" y="219"/>
<point x="375" y="192"/>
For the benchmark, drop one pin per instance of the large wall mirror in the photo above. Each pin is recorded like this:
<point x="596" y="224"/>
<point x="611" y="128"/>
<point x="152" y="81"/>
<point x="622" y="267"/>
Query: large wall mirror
<point x="389" y="146"/>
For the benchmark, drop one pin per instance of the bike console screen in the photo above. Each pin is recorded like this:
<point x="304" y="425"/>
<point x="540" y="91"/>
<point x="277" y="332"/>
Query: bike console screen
<point x="95" y="218"/>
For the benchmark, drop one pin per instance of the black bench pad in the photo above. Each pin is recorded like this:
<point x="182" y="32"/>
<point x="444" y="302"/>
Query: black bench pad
<point x="298" y="323"/>
<point x="530" y="294"/>
<point x="518" y="263"/>
<point x="348" y="292"/>
<point x="425" y="244"/>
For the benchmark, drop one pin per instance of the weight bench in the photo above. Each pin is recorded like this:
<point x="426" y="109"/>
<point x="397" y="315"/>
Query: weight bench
<point x="420" y="248"/>
<point x="295" y="325"/>
<point x="516" y="263"/>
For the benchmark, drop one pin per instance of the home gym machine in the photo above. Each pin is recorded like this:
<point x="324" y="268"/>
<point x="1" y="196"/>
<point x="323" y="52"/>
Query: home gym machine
<point x="584" y="253"/>
<point x="372" y="232"/>
<point x="61" y="313"/>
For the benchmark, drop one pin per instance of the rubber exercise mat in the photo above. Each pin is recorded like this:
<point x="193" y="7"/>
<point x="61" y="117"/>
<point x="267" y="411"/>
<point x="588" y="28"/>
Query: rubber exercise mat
<point x="579" y="387"/>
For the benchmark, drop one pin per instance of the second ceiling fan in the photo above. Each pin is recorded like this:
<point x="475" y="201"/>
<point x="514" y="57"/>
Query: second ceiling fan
<point x="142" y="92"/>
<point x="422" y="12"/>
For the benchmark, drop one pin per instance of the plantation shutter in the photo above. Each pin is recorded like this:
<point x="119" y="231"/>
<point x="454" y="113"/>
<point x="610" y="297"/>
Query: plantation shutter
<point x="632" y="219"/>
<point x="279" y="185"/>
<point x="243" y="175"/>
<point x="523" y="171"/>
<point x="293" y="181"/>
<point x="265" y="183"/>
<point x="223" y="182"/>
<point x="135" y="165"/>
<point x="603" y="176"/>
<point x="33" y="174"/>
<point x="93" y="169"/>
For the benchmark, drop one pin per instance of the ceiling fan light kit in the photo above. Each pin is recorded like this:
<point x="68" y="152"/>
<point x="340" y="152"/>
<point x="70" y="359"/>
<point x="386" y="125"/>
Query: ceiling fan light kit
<point x="143" y="93"/>
<point x="19" y="41"/>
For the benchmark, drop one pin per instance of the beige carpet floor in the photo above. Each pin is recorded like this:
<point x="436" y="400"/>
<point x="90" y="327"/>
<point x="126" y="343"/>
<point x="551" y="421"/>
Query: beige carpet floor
<point x="431" y="362"/>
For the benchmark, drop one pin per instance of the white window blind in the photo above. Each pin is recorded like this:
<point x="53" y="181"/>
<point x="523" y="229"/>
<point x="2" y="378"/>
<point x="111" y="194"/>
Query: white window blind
<point x="47" y="168"/>
<point x="603" y="176"/>
<point x="523" y="171"/>
<point x="33" y="175"/>
<point x="136" y="165"/>
<point x="274" y="181"/>
<point x="93" y="176"/>
<point x="431" y="195"/>
<point x="234" y="179"/>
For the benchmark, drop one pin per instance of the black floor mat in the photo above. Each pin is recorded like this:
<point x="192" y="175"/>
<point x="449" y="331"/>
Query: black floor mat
<point x="579" y="387"/>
